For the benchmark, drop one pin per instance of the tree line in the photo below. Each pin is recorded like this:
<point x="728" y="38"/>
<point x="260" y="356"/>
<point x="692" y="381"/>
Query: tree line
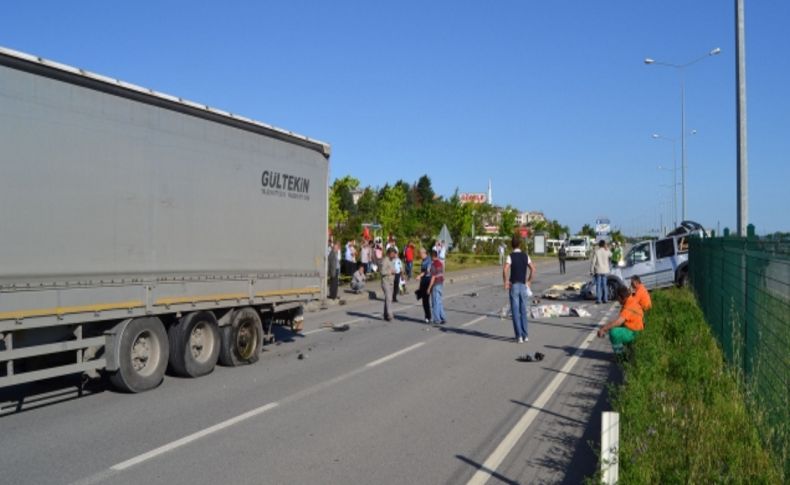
<point x="415" y="211"/>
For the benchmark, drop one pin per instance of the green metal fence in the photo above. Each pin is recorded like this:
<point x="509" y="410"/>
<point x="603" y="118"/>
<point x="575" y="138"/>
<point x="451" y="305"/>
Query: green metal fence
<point x="743" y="287"/>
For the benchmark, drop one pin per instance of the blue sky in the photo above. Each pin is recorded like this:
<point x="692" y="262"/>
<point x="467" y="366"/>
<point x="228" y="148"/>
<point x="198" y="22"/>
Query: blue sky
<point x="550" y="99"/>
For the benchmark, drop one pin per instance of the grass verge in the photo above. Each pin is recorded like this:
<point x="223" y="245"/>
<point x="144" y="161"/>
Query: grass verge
<point x="683" y="416"/>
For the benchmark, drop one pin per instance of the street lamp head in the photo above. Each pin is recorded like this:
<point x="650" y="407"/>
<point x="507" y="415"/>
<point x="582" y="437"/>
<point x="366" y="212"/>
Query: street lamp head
<point x="693" y="132"/>
<point x="656" y="136"/>
<point x="715" y="52"/>
<point x="649" y="60"/>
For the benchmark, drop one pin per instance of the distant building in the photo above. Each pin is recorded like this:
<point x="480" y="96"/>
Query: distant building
<point x="536" y="216"/>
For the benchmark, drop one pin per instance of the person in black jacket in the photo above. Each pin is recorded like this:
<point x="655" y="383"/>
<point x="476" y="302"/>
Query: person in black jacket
<point x="333" y="269"/>
<point x="562" y="254"/>
<point x="425" y="281"/>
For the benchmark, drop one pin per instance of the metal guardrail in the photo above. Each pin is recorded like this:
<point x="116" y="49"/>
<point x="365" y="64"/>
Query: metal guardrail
<point x="743" y="287"/>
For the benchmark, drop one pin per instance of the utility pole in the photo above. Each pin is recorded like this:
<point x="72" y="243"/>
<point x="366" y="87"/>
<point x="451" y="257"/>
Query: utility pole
<point x="740" y="80"/>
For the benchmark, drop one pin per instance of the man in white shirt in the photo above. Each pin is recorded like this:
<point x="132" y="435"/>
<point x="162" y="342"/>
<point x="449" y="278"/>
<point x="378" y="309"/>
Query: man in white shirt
<point x="599" y="268"/>
<point x="442" y="250"/>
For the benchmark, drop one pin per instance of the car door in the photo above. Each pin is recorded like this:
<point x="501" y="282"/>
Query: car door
<point x="640" y="262"/>
<point x="665" y="262"/>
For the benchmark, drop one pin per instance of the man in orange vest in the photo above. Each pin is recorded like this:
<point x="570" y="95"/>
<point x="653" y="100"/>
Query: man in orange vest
<point x="641" y="294"/>
<point x="624" y="328"/>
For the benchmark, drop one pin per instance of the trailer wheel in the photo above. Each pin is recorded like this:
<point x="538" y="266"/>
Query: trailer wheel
<point x="242" y="339"/>
<point x="143" y="354"/>
<point x="194" y="344"/>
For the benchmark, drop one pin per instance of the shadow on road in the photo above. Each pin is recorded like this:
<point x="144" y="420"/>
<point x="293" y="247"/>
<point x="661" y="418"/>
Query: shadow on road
<point x="569" y="456"/>
<point x="586" y="353"/>
<point x="475" y="333"/>
<point x="27" y="397"/>
<point x="493" y="473"/>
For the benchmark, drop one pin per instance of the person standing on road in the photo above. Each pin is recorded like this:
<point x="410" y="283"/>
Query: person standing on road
<point x="517" y="275"/>
<point x="436" y="288"/>
<point x="443" y="250"/>
<point x="408" y="257"/>
<point x="562" y="254"/>
<point x="350" y="258"/>
<point x="425" y="282"/>
<point x="364" y="255"/>
<point x="387" y="280"/>
<point x="333" y="266"/>
<point x="501" y="254"/>
<point x="599" y="268"/>
<point x="617" y="254"/>
<point x="624" y="328"/>
<point x="398" y="265"/>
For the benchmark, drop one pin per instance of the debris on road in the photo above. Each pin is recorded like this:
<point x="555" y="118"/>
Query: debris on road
<point x="301" y="356"/>
<point x="557" y="310"/>
<point x="531" y="357"/>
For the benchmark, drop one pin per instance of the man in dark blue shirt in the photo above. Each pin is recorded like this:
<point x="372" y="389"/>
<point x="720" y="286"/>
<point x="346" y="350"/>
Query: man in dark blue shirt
<point x="517" y="275"/>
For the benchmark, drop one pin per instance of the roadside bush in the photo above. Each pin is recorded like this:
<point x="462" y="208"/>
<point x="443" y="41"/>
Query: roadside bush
<point x="683" y="417"/>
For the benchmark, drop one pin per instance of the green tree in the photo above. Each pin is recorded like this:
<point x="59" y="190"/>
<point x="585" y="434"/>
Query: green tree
<point x="424" y="189"/>
<point x="391" y="202"/>
<point x="540" y="226"/>
<point x="366" y="205"/>
<point x="507" y="222"/>
<point x="556" y="230"/>
<point x="587" y="230"/>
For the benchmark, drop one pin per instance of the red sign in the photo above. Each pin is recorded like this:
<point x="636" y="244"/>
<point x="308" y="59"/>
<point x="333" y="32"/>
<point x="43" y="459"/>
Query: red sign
<point x="473" y="197"/>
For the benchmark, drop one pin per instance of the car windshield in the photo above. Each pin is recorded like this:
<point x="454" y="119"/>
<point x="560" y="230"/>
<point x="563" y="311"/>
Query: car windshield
<point x="577" y="242"/>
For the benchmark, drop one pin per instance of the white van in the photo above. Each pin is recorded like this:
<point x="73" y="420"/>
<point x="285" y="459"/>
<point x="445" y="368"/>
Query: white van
<point x="579" y="247"/>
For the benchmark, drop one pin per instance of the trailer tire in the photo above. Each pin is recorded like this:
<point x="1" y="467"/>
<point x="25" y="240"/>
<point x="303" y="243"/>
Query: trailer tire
<point x="194" y="344"/>
<point x="242" y="339"/>
<point x="143" y="354"/>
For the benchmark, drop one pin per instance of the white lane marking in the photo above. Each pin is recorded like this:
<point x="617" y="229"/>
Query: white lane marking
<point x="489" y="467"/>
<point x="252" y="413"/>
<point x="478" y="319"/>
<point x="192" y="437"/>
<point x="394" y="354"/>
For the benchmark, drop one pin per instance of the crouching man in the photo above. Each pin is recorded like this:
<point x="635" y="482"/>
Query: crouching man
<point x="358" y="279"/>
<point x="624" y="328"/>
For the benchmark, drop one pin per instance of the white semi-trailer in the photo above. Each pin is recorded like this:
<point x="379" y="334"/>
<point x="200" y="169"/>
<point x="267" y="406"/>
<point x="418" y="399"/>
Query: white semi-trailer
<point x="140" y="231"/>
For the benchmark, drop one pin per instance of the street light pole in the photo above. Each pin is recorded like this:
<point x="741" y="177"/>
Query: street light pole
<point x="657" y="136"/>
<point x="743" y="159"/>
<point x="683" y="142"/>
<point x="681" y="69"/>
<point x="674" y="192"/>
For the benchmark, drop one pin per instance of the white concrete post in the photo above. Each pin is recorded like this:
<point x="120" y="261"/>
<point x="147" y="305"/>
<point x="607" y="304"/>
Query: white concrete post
<point x="610" y="447"/>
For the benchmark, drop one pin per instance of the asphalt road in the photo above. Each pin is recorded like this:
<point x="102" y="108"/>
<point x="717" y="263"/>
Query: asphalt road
<point x="384" y="402"/>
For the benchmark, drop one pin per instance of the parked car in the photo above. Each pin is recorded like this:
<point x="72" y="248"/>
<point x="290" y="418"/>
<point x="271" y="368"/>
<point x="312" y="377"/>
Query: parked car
<point x="659" y="264"/>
